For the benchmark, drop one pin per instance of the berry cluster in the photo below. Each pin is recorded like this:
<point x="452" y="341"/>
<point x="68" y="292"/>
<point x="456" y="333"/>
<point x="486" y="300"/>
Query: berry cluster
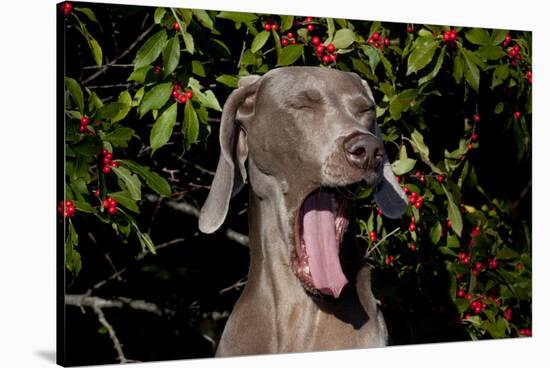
<point x="180" y="96"/>
<point x="412" y="225"/>
<point x="450" y="37"/>
<point x="110" y="205"/>
<point x="514" y="54"/>
<point x="310" y="27"/>
<point x="271" y="25"/>
<point x="289" y="38"/>
<point x="420" y="177"/>
<point x="416" y="200"/>
<point x="84" y="121"/>
<point x="67" y="208"/>
<point x="326" y="54"/>
<point x="373" y="236"/>
<point x="107" y="161"/>
<point x="525" y="332"/>
<point x="66" y="8"/>
<point x="378" y="41"/>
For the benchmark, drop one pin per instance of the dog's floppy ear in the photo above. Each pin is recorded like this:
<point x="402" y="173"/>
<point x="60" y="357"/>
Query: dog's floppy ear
<point x="230" y="174"/>
<point x="389" y="195"/>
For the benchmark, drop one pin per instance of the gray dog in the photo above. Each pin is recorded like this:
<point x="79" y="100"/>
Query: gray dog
<point x="302" y="136"/>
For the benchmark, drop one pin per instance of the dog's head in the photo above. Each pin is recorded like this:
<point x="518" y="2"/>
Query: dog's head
<point x="314" y="130"/>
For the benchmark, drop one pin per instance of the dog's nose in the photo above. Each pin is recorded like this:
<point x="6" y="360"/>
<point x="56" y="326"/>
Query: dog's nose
<point x="364" y="151"/>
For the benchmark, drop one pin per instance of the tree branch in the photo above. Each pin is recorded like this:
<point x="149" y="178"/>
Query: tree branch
<point x="114" y="61"/>
<point x="189" y="209"/>
<point x="116" y="342"/>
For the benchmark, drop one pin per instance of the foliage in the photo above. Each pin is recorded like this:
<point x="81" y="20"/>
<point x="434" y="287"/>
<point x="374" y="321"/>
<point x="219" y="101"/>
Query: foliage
<point x="435" y="93"/>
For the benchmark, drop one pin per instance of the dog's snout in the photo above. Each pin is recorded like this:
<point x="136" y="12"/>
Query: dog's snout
<point x="364" y="151"/>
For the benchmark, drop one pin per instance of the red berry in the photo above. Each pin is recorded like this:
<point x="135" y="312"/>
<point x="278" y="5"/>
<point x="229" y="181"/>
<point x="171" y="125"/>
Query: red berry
<point x="330" y="47"/>
<point x="470" y="146"/>
<point x="412" y="227"/>
<point x="406" y="190"/>
<point x="449" y="224"/>
<point x="440" y="178"/>
<point x="332" y="57"/>
<point x="479" y="266"/>
<point x="468" y="297"/>
<point x="176" y="25"/>
<point x="477" y="118"/>
<point x="413" y="247"/>
<point x="108" y="156"/>
<point x="418" y="205"/>
<point x="517" y="115"/>
<point x="412" y="200"/>
<point x="66" y="8"/>
<point x="84" y="120"/>
<point x="476" y="231"/>
<point x="267" y="27"/>
<point x="290" y="35"/>
<point x="284" y="42"/>
<point x="106" y="203"/>
<point x="467" y="316"/>
<point x="115" y="164"/>
<point x="96" y="192"/>
<point x="474" y="137"/>
<point x="309" y="19"/>
<point x="182" y="98"/>
<point x="387" y="41"/>
<point x="293" y="41"/>
<point x="375" y="36"/>
<point x="460" y="294"/>
<point x="315" y="40"/>
<point x="175" y="93"/>
<point x="320" y="49"/>
<point x="326" y="59"/>
<point x="104" y="152"/>
<point x="413" y="220"/>
<point x="106" y="169"/>
<point x="410" y="29"/>
<point x="477" y="310"/>
<point x="310" y="27"/>
<point x="83" y="128"/>
<point x="508" y="314"/>
<point x="189" y="94"/>
<point x="106" y="160"/>
<point x="525" y="332"/>
<point x="275" y="27"/>
<point x="112" y="210"/>
<point x="422" y="179"/>
<point x="493" y="264"/>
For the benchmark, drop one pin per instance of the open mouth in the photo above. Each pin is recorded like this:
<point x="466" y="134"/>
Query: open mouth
<point x="319" y="231"/>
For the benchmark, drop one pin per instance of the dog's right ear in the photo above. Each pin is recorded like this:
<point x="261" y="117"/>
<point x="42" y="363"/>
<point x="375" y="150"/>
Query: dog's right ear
<point x="230" y="174"/>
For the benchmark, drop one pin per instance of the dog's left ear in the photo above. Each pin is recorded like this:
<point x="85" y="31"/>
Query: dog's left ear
<point x="230" y="174"/>
<point x="389" y="195"/>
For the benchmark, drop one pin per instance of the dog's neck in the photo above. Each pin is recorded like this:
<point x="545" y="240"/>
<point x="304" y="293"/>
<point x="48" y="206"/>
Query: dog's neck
<point x="270" y="233"/>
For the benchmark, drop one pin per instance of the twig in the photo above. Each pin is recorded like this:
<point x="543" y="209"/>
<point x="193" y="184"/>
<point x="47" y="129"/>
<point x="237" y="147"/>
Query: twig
<point x="189" y="209"/>
<point x="242" y="50"/>
<point x="89" y="301"/>
<point x="114" y="61"/>
<point x="116" y="342"/>
<point x="240" y="283"/>
<point x="522" y="195"/>
<point x="108" y="65"/>
<point x="198" y="167"/>
<point x="120" y="85"/>
<point x="381" y="241"/>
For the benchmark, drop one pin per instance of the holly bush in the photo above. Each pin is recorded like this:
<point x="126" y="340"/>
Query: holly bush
<point x="453" y="103"/>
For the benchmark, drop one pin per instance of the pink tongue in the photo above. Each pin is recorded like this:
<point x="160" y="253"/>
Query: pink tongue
<point x="319" y="234"/>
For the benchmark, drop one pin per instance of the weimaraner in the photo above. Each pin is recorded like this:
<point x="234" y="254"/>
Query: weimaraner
<point x="302" y="136"/>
